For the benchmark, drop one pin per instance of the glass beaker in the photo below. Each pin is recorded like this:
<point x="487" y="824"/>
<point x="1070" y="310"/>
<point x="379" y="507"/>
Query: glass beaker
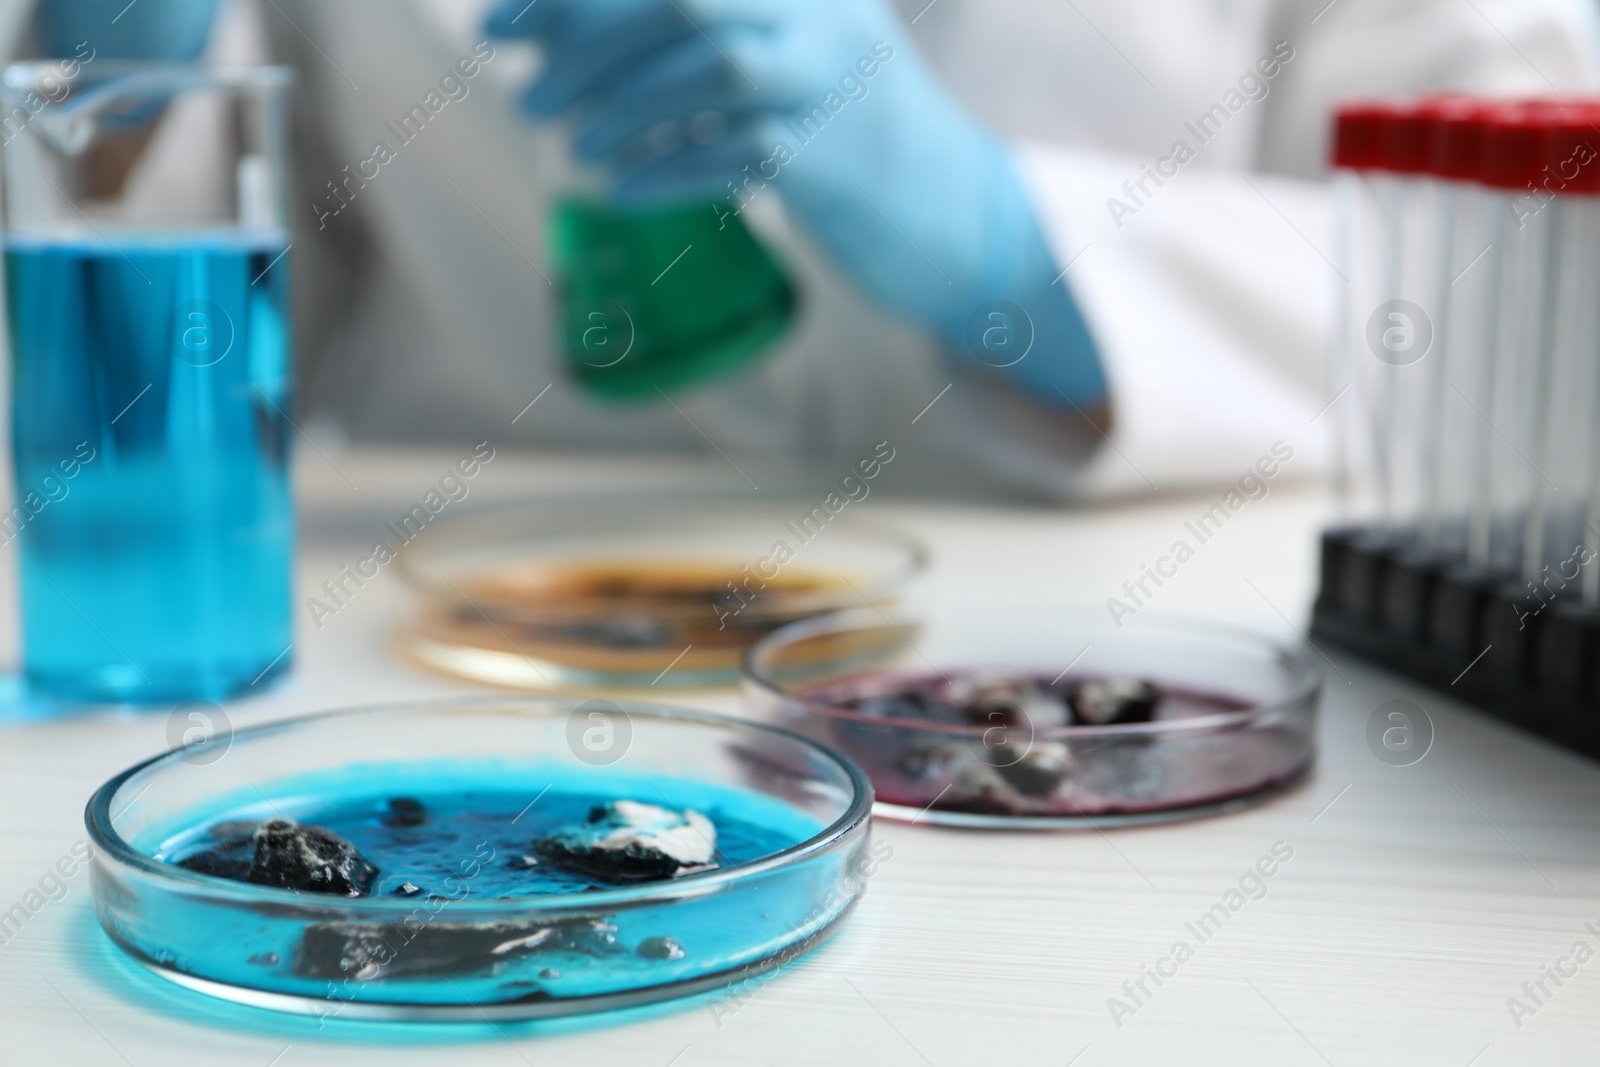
<point x="147" y="297"/>
<point x="664" y="298"/>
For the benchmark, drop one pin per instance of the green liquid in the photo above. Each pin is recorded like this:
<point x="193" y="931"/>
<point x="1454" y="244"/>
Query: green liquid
<point x="663" y="300"/>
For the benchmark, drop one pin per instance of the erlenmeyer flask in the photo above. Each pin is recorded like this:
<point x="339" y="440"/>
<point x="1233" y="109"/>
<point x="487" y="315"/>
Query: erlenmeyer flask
<point x="663" y="299"/>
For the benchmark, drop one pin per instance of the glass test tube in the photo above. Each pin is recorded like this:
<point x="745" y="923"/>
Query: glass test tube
<point x="1364" y="199"/>
<point x="1463" y="285"/>
<point x="1545" y="229"/>
<point x="1555" y="533"/>
<point x="1345" y="193"/>
<point x="1394" y="195"/>
<point x="1585" y="357"/>
<point x="1590" y="588"/>
<point x="1410" y="316"/>
<point x="1509" y="404"/>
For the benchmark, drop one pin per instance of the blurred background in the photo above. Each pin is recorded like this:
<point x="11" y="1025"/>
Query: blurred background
<point x="1013" y="151"/>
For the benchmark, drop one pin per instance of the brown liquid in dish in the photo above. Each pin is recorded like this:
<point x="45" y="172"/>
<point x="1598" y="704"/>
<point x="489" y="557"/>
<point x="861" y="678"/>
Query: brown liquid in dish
<point x="646" y="585"/>
<point x="629" y="617"/>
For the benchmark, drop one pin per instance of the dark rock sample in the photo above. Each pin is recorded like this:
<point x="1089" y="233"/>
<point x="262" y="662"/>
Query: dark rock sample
<point x="628" y="841"/>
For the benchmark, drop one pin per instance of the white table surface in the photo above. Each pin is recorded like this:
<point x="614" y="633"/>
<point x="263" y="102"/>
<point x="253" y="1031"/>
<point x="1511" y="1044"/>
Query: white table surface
<point x="1417" y="901"/>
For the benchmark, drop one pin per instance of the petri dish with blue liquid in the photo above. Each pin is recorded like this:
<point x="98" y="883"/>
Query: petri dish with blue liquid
<point x="500" y="858"/>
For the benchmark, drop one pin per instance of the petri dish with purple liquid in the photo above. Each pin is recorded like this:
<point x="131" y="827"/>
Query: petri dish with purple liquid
<point x="1031" y="717"/>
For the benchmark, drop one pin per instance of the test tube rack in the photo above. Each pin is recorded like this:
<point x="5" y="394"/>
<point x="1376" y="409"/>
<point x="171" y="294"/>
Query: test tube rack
<point x="1481" y="637"/>
<point x="1466" y="377"/>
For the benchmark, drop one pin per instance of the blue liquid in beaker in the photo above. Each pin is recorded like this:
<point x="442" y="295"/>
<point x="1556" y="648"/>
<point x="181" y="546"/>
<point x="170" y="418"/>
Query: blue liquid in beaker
<point x="150" y="391"/>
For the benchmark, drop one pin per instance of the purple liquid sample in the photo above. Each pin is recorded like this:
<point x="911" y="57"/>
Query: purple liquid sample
<point x="1003" y="744"/>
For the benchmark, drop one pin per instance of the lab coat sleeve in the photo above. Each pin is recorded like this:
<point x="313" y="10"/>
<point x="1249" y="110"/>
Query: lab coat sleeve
<point x="1210" y="304"/>
<point x="1210" y="291"/>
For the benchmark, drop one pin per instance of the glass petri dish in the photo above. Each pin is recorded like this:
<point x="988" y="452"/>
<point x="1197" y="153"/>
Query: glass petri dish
<point x="481" y="937"/>
<point x="638" y="591"/>
<point x="1235" y="722"/>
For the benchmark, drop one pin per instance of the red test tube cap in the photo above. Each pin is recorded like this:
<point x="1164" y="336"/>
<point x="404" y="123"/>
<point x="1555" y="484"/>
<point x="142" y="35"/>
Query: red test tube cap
<point x="1458" y="128"/>
<point x="1572" y="137"/>
<point x="1361" y="135"/>
<point x="1408" y="138"/>
<point x="1514" y="146"/>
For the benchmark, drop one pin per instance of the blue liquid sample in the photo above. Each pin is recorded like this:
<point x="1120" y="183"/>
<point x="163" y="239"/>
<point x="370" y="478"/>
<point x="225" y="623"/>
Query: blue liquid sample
<point x="150" y="391"/>
<point x="548" y="933"/>
<point x="476" y="823"/>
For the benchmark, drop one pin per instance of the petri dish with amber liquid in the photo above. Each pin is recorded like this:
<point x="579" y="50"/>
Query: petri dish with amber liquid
<point x="624" y="592"/>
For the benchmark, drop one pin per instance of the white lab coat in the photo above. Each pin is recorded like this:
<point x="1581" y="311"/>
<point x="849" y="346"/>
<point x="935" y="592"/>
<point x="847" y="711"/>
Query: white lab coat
<point x="427" y="307"/>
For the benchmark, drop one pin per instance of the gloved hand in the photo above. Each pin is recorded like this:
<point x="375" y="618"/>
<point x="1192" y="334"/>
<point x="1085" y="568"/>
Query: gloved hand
<point x="828" y="104"/>
<point x="149" y="29"/>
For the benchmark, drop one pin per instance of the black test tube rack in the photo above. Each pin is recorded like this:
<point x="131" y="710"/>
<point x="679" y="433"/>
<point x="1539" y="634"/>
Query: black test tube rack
<point x="1528" y="655"/>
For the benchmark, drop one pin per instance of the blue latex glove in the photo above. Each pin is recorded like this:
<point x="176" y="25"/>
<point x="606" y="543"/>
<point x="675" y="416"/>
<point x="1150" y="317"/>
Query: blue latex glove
<point x="916" y="201"/>
<point x="147" y="29"/>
